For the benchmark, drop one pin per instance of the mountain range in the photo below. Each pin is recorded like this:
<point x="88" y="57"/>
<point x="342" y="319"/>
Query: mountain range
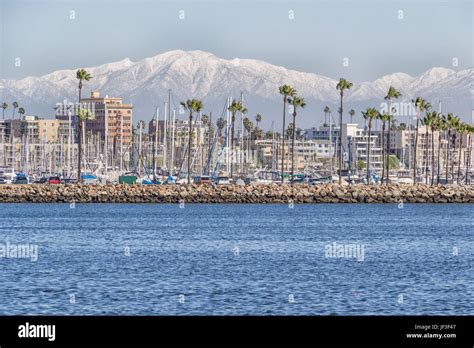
<point x="198" y="74"/>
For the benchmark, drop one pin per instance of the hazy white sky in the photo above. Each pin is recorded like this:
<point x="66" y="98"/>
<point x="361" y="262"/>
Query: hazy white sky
<point x="378" y="37"/>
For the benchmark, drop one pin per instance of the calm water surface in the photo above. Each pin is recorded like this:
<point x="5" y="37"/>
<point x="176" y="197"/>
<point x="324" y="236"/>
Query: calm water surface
<point x="238" y="259"/>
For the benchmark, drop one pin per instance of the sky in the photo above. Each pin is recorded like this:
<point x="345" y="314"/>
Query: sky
<point x="360" y="40"/>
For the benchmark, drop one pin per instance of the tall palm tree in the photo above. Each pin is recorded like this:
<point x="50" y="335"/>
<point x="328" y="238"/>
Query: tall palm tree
<point x="4" y="107"/>
<point x="192" y="106"/>
<point x="258" y="119"/>
<point x="83" y="115"/>
<point x="21" y="112"/>
<point x="429" y="121"/>
<point x="234" y="107"/>
<point x="326" y="110"/>
<point x="421" y="106"/>
<point x="15" y="106"/>
<point x="287" y="92"/>
<point x="82" y="75"/>
<point x="369" y="115"/>
<point x="392" y="93"/>
<point x="296" y="102"/>
<point x="351" y="113"/>
<point x="341" y="87"/>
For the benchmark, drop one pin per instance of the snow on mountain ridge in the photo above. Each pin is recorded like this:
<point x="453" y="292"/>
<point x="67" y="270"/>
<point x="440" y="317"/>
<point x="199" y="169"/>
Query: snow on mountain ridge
<point x="203" y="75"/>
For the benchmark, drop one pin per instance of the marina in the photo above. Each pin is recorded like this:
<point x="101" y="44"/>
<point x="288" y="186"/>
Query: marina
<point x="181" y="151"/>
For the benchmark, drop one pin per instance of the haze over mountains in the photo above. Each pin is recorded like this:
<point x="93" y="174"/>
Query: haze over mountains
<point x="202" y="75"/>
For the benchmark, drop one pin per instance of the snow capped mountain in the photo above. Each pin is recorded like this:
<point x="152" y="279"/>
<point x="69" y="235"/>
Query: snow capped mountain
<point x="203" y="75"/>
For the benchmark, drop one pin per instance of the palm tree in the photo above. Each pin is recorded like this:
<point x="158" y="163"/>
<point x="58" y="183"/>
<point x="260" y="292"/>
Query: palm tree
<point x="21" y="112"/>
<point x="83" y="115"/>
<point x="429" y="121"/>
<point x="235" y="107"/>
<point x="4" y="107"/>
<point x="191" y="105"/>
<point x="369" y="115"/>
<point x="286" y="91"/>
<point x="392" y="93"/>
<point x="81" y="75"/>
<point x="351" y="113"/>
<point x="205" y="119"/>
<point x="296" y="102"/>
<point x="421" y="105"/>
<point x="341" y="87"/>
<point x="15" y="106"/>
<point x="326" y="110"/>
<point x="258" y="119"/>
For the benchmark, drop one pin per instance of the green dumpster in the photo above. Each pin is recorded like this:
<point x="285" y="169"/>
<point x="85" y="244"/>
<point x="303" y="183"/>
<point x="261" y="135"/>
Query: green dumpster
<point x="127" y="179"/>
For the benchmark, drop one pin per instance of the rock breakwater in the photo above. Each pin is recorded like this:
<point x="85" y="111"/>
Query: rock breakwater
<point x="330" y="193"/>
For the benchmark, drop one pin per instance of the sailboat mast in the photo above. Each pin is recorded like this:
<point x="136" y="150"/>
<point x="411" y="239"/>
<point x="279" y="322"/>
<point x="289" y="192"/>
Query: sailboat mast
<point x="241" y="152"/>
<point x="169" y="119"/>
<point x="155" y="147"/>
<point x="106" y="137"/>
<point x="165" y="136"/>
<point x="172" y="142"/>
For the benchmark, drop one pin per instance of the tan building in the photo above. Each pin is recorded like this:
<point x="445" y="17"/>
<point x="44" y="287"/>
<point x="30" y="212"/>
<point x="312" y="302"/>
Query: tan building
<point x="118" y="115"/>
<point x="48" y="131"/>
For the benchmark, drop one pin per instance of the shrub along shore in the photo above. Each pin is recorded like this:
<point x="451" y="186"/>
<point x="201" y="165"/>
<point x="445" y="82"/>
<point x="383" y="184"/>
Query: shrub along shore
<point x="287" y="194"/>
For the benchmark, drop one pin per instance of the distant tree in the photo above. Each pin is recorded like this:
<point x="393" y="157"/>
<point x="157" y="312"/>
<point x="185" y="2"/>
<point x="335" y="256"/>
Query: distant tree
<point x="191" y="105"/>
<point x="341" y="87"/>
<point x="286" y="91"/>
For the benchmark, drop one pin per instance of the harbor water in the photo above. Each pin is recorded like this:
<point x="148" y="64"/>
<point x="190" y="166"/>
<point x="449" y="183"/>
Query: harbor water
<point x="226" y="259"/>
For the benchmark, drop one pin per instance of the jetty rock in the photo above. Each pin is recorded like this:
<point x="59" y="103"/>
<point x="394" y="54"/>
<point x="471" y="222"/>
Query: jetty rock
<point x="258" y="194"/>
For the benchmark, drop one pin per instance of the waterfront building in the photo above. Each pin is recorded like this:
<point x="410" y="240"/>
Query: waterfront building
<point x="113" y="119"/>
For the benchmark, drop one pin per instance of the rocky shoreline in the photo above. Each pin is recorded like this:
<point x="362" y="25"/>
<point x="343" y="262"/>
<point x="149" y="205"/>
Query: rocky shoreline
<point x="286" y="194"/>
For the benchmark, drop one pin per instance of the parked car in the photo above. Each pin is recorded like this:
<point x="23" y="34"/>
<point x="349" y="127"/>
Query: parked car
<point x="42" y="180"/>
<point x="203" y="180"/>
<point x="54" y="180"/>
<point x="223" y="180"/>
<point x="68" y="181"/>
<point x="21" y="179"/>
<point x="8" y="175"/>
